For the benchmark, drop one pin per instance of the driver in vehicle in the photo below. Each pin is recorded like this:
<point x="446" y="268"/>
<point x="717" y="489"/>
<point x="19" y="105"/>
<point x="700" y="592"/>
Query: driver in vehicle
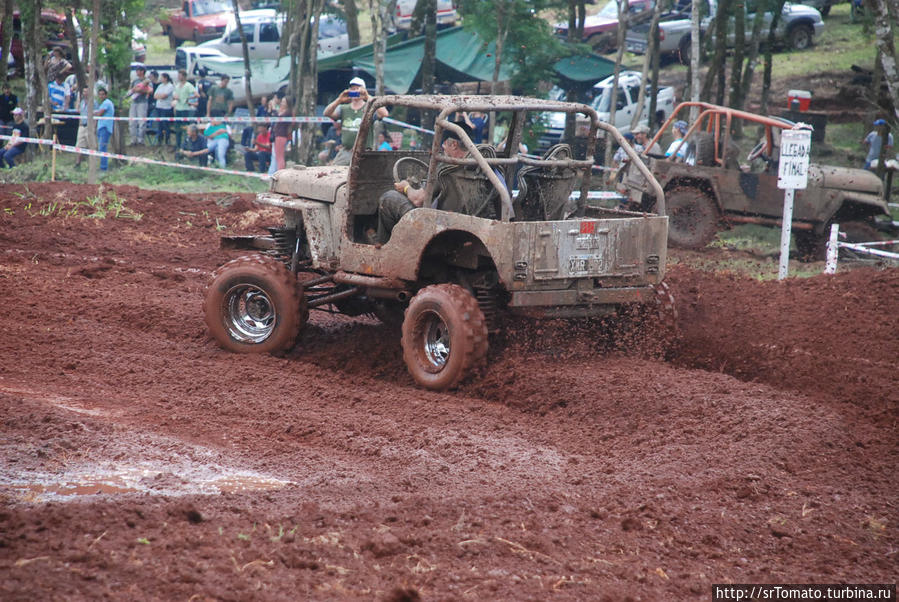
<point x="395" y="203"/>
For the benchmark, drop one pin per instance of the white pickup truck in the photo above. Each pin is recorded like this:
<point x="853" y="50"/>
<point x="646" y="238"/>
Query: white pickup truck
<point x="629" y="83"/>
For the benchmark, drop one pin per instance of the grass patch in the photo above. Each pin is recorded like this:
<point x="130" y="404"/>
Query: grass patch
<point x="151" y="177"/>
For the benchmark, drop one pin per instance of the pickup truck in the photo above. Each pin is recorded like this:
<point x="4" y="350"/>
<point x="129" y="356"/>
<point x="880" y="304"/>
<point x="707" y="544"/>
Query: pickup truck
<point x="197" y="20"/>
<point x="796" y="29"/>
<point x="601" y="29"/>
<point x="626" y="106"/>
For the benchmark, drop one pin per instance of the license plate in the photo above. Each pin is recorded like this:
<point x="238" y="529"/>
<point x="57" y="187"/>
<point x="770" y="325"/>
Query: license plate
<point x="637" y="47"/>
<point x="583" y="264"/>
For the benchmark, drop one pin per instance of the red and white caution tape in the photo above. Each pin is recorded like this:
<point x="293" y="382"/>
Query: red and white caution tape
<point x="86" y="151"/>
<point x="205" y="119"/>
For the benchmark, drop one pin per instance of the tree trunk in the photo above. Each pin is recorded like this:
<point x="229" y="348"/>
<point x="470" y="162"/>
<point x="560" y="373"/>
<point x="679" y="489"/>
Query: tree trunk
<point x="93" y="162"/>
<point x="652" y="52"/>
<point x="72" y="39"/>
<point x="6" y="38"/>
<point x="736" y="66"/>
<point x="886" y="48"/>
<point x="769" y="49"/>
<point x="623" y="6"/>
<point x="695" y="44"/>
<point x="352" y="22"/>
<point x="576" y="15"/>
<point x="429" y="61"/>
<point x="502" y="30"/>
<point x="751" y="60"/>
<point x="380" y="20"/>
<point x="246" y="57"/>
<point x="716" y="69"/>
<point x="302" y="29"/>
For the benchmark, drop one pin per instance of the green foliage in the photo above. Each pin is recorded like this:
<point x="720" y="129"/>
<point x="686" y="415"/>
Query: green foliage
<point x="530" y="43"/>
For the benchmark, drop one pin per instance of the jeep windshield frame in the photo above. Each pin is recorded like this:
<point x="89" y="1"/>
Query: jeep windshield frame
<point x="446" y="106"/>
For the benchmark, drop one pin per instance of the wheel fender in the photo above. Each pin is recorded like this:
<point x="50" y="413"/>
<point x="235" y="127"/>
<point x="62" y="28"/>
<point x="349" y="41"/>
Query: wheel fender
<point x="456" y="248"/>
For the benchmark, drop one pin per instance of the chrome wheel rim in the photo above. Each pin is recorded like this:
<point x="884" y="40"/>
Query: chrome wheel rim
<point x="436" y="340"/>
<point x="249" y="314"/>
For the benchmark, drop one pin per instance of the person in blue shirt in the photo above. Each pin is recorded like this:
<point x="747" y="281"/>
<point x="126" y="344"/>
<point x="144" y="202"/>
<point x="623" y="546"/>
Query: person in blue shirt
<point x="678" y="129"/>
<point x="59" y="93"/>
<point x="104" y="111"/>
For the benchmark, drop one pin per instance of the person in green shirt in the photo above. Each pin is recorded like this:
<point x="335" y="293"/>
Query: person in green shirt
<point x="347" y="109"/>
<point x="221" y="99"/>
<point x="185" y="96"/>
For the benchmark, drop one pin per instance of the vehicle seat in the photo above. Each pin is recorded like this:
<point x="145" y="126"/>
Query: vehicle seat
<point x="465" y="189"/>
<point x="544" y="191"/>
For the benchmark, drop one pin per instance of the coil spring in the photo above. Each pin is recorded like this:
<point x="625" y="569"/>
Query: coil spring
<point x="285" y="242"/>
<point x="487" y="301"/>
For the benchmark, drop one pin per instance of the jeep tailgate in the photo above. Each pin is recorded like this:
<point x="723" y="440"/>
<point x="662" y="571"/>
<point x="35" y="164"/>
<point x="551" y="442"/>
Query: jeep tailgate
<point x="623" y="249"/>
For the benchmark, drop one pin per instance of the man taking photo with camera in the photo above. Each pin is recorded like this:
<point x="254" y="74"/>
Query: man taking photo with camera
<point x="347" y="109"/>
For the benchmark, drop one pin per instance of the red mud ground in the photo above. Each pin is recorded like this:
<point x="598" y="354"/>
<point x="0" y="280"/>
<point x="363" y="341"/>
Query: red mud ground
<point x="139" y="461"/>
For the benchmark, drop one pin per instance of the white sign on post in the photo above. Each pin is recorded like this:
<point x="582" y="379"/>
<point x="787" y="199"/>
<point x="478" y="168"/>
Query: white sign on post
<point x="792" y="173"/>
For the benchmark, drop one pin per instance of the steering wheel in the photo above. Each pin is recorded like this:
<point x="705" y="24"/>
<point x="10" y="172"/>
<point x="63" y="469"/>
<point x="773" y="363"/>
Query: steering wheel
<point x="411" y="169"/>
<point x="757" y="151"/>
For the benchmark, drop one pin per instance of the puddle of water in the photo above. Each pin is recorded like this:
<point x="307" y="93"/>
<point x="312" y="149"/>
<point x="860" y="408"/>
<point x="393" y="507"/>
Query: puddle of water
<point x="196" y="481"/>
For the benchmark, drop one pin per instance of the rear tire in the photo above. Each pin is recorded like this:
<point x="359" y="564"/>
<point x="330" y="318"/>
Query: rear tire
<point x="253" y="304"/>
<point x="444" y="336"/>
<point x="692" y="218"/>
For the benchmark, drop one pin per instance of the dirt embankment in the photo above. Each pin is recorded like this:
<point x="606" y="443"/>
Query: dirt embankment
<point x="139" y="460"/>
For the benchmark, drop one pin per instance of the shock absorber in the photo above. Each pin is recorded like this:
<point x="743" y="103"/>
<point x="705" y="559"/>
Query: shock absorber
<point x="487" y="301"/>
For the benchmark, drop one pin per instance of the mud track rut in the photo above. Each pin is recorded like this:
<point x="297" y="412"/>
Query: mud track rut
<point x="138" y="459"/>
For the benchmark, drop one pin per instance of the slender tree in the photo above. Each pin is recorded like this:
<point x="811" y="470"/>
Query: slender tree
<point x="301" y="29"/>
<point x="72" y="38"/>
<point x="6" y="12"/>
<point x="352" y="23"/>
<point x="716" y="71"/>
<point x="623" y="6"/>
<point x="885" y="15"/>
<point x="652" y="53"/>
<point x="93" y="52"/>
<point x="247" y="72"/>
<point x="776" y="9"/>
<point x="381" y="11"/>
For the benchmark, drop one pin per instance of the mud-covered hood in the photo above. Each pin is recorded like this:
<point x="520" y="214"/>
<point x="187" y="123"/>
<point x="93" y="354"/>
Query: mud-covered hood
<point x="846" y="178"/>
<point x="316" y="183"/>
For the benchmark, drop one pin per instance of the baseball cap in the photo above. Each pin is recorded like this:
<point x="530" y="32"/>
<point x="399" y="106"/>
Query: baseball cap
<point x="17" y="111"/>
<point x="641" y="129"/>
<point x="880" y="122"/>
<point x="680" y="125"/>
<point x="451" y="134"/>
<point x="357" y="81"/>
<point x="629" y="137"/>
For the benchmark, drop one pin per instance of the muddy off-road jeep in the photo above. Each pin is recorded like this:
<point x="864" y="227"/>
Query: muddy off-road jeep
<point x="728" y="175"/>
<point x="531" y="248"/>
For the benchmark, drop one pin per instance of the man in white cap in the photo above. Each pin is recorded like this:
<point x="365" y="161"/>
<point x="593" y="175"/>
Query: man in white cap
<point x="347" y="109"/>
<point x="641" y="141"/>
<point x="15" y="146"/>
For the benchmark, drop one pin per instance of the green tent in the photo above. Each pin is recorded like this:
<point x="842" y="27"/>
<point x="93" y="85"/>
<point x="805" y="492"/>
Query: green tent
<point x="461" y="56"/>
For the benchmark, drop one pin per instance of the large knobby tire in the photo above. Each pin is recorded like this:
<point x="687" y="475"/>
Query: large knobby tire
<point x="692" y="218"/>
<point x="444" y="336"/>
<point x="253" y="304"/>
<point x="701" y="149"/>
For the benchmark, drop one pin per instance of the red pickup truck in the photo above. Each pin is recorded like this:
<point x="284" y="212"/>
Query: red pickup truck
<point x="197" y="20"/>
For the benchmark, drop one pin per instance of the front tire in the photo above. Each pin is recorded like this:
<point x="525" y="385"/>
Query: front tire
<point x="444" y="336"/>
<point x="254" y="305"/>
<point x="692" y="218"/>
<point x="800" y="37"/>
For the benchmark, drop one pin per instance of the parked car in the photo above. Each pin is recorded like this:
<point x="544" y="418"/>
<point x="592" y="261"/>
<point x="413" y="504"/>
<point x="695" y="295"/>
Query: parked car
<point x="601" y="29"/>
<point x="797" y="29"/>
<point x="446" y="13"/>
